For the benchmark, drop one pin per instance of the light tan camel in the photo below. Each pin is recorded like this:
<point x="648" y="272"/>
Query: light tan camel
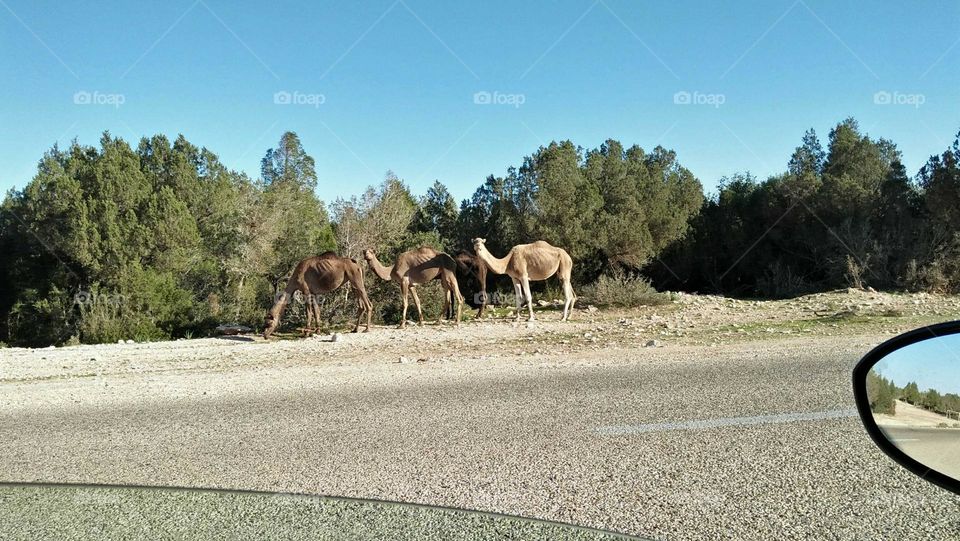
<point x="535" y="261"/>
<point x="417" y="267"/>
<point x="321" y="274"/>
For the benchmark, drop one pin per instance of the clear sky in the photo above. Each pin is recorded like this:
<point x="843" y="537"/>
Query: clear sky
<point x="397" y="80"/>
<point x="931" y="364"/>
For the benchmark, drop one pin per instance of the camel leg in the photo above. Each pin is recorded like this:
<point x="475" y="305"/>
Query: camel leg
<point x="526" y="294"/>
<point x="518" y="292"/>
<point x="483" y="303"/>
<point x="570" y="298"/>
<point x="453" y="292"/>
<point x="447" y="311"/>
<point x="363" y="305"/>
<point x="405" y="293"/>
<point x="456" y="289"/>
<point x="308" y="309"/>
<point x="416" y="300"/>
<point x="369" y="306"/>
<point x="316" y="312"/>
<point x="360" y="307"/>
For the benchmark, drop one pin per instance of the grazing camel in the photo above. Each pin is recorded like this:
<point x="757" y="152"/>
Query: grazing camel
<point x="471" y="265"/>
<point x="416" y="267"/>
<point x="535" y="261"/>
<point x="316" y="275"/>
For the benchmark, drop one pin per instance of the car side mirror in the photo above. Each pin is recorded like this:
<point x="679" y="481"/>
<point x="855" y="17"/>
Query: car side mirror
<point x="907" y="392"/>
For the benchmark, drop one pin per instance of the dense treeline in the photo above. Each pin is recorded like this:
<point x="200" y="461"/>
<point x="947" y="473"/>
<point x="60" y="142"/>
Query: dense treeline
<point x="847" y="215"/>
<point x="883" y="393"/>
<point x="163" y="240"/>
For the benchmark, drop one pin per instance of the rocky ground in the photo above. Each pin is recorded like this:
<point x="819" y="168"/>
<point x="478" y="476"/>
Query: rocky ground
<point x="688" y="320"/>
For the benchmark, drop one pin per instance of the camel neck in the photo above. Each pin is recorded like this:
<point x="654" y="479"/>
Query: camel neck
<point x="497" y="265"/>
<point x="293" y="285"/>
<point x="380" y="270"/>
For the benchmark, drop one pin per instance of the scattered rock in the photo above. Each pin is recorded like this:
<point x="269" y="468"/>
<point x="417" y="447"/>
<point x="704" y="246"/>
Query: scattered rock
<point x="591" y="308"/>
<point x="335" y="337"/>
<point x="233" y="329"/>
<point x="652" y="344"/>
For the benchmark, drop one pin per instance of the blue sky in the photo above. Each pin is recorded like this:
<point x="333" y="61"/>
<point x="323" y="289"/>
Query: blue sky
<point x="931" y="364"/>
<point x="398" y="78"/>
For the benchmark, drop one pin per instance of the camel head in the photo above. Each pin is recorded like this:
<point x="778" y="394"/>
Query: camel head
<point x="369" y="254"/>
<point x="272" y="320"/>
<point x="479" y="244"/>
<point x="270" y="325"/>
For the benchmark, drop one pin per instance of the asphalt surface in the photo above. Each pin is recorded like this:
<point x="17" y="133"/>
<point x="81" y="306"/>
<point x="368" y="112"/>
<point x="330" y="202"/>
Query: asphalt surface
<point x="936" y="448"/>
<point x="755" y="443"/>
<point x="81" y="512"/>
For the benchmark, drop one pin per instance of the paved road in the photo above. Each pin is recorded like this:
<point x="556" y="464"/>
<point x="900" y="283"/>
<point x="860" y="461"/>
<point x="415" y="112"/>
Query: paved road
<point x="753" y="444"/>
<point x="77" y="512"/>
<point x="936" y="448"/>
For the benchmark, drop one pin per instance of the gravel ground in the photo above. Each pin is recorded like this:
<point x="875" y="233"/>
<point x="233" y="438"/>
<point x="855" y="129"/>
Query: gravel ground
<point x="498" y="417"/>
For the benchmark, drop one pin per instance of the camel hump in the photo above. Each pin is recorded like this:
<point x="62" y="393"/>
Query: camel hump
<point x="541" y="244"/>
<point x="427" y="250"/>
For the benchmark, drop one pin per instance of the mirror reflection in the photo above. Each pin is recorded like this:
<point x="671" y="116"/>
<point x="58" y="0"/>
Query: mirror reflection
<point x="914" y="394"/>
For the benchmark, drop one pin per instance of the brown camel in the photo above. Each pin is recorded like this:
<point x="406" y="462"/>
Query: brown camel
<point x="535" y="261"/>
<point x="416" y="267"/>
<point x="471" y="265"/>
<point x="321" y="274"/>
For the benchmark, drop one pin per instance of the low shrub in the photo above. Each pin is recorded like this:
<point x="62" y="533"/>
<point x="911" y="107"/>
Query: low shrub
<point x="621" y="289"/>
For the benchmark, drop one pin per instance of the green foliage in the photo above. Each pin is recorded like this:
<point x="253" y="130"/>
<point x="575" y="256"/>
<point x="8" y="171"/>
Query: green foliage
<point x="881" y="393"/>
<point x="438" y="213"/>
<point x="186" y="243"/>
<point x="620" y="289"/>
<point x="931" y="400"/>
<point x="910" y="394"/>
<point x="116" y="243"/>
<point x="607" y="206"/>
<point x="845" y="217"/>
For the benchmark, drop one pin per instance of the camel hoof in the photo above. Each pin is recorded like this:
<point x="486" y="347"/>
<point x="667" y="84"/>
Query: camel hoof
<point x="366" y="330"/>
